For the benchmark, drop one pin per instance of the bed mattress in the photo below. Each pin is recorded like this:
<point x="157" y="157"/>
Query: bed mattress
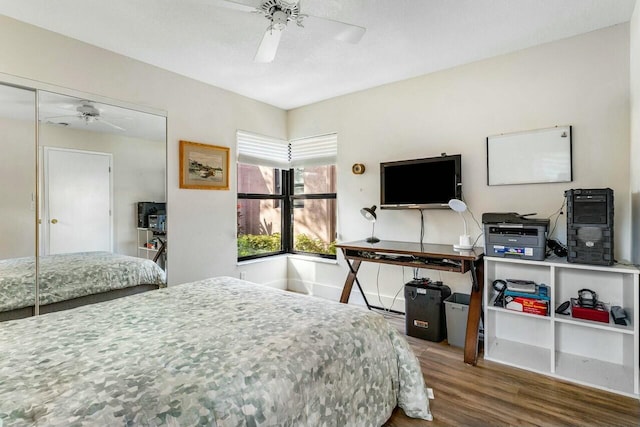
<point x="220" y="352"/>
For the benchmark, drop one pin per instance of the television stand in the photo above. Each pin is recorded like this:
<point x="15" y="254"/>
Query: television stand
<point x="421" y="255"/>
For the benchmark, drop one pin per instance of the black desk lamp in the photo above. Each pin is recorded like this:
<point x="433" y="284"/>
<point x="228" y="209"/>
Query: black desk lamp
<point x="370" y="215"/>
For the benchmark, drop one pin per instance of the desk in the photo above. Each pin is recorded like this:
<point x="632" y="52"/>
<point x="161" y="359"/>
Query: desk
<point x="428" y="256"/>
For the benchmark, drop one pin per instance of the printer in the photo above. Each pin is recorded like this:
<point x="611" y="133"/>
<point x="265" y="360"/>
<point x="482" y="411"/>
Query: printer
<point x="511" y="235"/>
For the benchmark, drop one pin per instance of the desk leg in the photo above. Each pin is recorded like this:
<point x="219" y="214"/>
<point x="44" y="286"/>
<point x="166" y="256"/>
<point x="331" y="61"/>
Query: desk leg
<point x="473" y="318"/>
<point x="348" y="284"/>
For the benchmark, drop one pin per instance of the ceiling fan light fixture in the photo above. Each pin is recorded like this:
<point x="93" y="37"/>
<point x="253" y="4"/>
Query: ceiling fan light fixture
<point x="279" y="13"/>
<point x="279" y="20"/>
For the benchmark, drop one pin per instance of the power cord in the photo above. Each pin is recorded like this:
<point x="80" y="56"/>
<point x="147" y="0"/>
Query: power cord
<point x="474" y="219"/>
<point x="421" y="226"/>
<point x="557" y="213"/>
<point x="393" y="301"/>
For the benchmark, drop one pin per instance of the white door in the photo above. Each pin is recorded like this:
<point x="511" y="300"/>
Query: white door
<point x="77" y="191"/>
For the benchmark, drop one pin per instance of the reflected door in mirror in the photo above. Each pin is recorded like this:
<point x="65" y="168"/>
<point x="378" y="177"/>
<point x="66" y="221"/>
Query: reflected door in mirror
<point x="77" y="201"/>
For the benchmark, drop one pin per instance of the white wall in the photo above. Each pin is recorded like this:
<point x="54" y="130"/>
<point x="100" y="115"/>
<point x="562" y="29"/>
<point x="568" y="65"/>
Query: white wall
<point x="17" y="187"/>
<point x="635" y="130"/>
<point x="139" y="174"/>
<point x="582" y="81"/>
<point x="202" y="223"/>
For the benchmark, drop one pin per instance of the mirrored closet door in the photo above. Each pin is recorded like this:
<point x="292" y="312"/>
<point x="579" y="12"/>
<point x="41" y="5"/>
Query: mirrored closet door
<point x="82" y="201"/>
<point x="17" y="202"/>
<point x="98" y="162"/>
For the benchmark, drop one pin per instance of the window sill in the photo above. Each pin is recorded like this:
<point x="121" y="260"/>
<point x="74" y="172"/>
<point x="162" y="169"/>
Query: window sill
<point x="314" y="259"/>
<point x="263" y="259"/>
<point x="292" y="256"/>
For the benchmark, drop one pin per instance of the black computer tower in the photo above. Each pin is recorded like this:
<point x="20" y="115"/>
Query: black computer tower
<point x="425" y="310"/>
<point x="590" y="226"/>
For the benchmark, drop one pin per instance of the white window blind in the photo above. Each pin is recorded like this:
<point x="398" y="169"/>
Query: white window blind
<point x="262" y="150"/>
<point x="314" y="151"/>
<point x="266" y="151"/>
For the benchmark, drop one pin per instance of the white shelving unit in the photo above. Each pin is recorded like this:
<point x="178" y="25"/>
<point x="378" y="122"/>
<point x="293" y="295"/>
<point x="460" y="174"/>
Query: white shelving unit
<point x="601" y="355"/>
<point x="145" y="235"/>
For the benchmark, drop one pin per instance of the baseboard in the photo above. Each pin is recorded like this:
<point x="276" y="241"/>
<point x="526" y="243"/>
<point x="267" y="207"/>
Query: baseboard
<point x="278" y="284"/>
<point x="333" y="293"/>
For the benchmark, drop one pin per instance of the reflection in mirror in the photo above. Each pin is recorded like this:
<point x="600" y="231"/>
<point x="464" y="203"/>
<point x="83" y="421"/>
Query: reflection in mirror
<point x="97" y="162"/>
<point x="17" y="202"/>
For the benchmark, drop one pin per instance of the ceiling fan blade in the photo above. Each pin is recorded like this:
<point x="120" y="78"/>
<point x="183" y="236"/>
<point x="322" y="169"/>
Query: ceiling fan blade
<point x="60" y="117"/>
<point x="100" y="119"/>
<point x="234" y="5"/>
<point x="339" y="30"/>
<point x="269" y="45"/>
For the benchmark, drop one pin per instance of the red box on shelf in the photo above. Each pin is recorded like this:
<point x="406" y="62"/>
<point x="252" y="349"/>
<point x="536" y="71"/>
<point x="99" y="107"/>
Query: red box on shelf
<point x="528" y="305"/>
<point x="598" y="314"/>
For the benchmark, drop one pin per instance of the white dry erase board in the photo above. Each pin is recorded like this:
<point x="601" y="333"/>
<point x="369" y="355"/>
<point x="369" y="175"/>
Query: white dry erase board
<point x="531" y="157"/>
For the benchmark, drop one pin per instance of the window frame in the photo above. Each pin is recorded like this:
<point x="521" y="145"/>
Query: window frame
<point x="301" y="197"/>
<point x="287" y="198"/>
<point x="277" y="198"/>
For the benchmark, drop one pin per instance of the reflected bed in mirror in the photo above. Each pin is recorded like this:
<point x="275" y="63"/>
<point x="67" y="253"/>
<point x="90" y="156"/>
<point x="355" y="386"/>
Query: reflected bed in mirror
<point x="70" y="280"/>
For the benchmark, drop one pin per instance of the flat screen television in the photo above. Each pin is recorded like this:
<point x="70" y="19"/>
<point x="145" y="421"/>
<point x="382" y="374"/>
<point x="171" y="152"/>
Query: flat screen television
<point x="420" y="183"/>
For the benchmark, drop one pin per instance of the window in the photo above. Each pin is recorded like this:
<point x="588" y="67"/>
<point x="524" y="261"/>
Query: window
<point x="314" y="210"/>
<point x="259" y="211"/>
<point x="286" y="196"/>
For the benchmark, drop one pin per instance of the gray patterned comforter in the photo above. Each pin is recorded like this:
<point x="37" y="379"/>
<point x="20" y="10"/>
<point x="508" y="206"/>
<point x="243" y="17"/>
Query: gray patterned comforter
<point x="219" y="352"/>
<point x="67" y="276"/>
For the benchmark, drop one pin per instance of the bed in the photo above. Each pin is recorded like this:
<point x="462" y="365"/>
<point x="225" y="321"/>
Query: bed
<point x="218" y="352"/>
<point x="71" y="280"/>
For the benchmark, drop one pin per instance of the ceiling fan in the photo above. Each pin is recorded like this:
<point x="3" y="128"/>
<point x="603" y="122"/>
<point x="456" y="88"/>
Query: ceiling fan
<point x="88" y="113"/>
<point x="279" y="13"/>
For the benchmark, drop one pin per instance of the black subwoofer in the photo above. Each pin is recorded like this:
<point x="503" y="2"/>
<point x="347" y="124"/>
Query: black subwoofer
<point x="590" y="226"/>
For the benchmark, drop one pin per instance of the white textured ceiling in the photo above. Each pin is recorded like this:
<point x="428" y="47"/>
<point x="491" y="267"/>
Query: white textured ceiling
<point x="404" y="38"/>
<point x="61" y="110"/>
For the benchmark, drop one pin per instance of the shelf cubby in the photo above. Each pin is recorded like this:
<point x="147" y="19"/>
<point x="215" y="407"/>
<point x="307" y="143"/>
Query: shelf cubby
<point x="598" y="354"/>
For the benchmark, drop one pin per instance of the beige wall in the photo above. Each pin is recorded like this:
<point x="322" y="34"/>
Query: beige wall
<point x="635" y="130"/>
<point x="202" y="223"/>
<point x="581" y="81"/>
<point x="17" y="187"/>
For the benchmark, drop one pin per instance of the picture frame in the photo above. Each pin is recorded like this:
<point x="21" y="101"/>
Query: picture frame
<point x="204" y="166"/>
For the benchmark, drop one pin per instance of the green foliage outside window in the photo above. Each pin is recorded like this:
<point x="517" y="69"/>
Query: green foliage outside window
<point x="255" y="244"/>
<point x="304" y="243"/>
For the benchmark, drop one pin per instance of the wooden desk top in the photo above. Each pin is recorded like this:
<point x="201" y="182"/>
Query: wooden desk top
<point x="414" y="248"/>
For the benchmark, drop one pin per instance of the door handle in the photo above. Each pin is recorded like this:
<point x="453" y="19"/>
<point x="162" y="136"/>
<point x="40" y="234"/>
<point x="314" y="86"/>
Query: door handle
<point x="54" y="221"/>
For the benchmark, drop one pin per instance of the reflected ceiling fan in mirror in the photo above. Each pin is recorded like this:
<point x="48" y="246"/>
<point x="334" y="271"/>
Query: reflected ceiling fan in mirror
<point x="279" y="13"/>
<point x="88" y="113"/>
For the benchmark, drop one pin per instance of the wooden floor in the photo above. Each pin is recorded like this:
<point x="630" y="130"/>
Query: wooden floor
<point x="492" y="394"/>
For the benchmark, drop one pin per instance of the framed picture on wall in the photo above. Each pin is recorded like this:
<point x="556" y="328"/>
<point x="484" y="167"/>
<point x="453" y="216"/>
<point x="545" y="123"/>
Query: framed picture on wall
<point x="204" y="166"/>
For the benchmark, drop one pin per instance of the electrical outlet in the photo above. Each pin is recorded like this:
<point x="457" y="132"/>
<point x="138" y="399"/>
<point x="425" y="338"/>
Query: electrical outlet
<point x="243" y="275"/>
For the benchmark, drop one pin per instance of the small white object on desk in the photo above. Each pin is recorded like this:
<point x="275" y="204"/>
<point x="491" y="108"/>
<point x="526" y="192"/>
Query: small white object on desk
<point x="464" y="243"/>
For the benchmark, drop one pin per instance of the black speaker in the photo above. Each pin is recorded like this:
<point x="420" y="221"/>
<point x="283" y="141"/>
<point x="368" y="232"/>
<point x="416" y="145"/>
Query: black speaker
<point x="590" y="226"/>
